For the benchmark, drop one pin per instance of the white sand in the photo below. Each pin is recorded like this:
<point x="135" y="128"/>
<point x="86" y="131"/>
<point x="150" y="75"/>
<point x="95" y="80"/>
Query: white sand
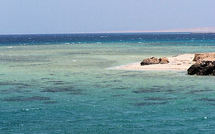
<point x="177" y="63"/>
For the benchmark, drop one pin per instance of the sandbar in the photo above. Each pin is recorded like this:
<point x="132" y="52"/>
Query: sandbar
<point x="176" y="63"/>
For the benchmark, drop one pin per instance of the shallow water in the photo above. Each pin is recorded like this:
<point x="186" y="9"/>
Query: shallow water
<point x="67" y="88"/>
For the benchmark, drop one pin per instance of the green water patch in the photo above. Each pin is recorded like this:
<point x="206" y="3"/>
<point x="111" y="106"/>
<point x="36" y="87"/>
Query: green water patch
<point x="68" y="89"/>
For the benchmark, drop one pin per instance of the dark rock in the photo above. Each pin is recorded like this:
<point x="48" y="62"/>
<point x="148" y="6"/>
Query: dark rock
<point x="194" y="69"/>
<point x="202" y="68"/>
<point x="153" y="60"/>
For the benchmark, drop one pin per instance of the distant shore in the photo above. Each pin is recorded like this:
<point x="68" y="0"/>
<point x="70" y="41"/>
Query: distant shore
<point x="203" y="30"/>
<point x="182" y="30"/>
<point x="178" y="63"/>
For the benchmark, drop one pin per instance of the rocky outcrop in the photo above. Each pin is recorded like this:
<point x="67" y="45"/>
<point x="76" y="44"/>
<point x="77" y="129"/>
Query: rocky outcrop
<point x="153" y="60"/>
<point x="199" y="57"/>
<point x="202" y="68"/>
<point x="149" y="61"/>
<point x="205" y="64"/>
<point x="163" y="60"/>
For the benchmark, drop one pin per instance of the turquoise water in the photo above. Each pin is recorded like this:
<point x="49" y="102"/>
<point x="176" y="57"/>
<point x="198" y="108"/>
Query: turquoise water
<point x="67" y="88"/>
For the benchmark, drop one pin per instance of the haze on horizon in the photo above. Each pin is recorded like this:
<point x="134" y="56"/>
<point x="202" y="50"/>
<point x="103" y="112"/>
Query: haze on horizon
<point x="71" y="16"/>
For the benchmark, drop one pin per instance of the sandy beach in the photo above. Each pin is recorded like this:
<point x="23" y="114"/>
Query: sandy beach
<point x="178" y="63"/>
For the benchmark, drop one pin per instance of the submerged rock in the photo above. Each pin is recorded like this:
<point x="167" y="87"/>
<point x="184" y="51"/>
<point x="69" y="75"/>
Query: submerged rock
<point x="153" y="60"/>
<point x="202" y="68"/>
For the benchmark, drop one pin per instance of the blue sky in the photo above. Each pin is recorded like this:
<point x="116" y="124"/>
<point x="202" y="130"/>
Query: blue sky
<point x="69" y="16"/>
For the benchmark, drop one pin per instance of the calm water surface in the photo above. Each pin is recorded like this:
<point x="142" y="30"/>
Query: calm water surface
<point x="54" y="84"/>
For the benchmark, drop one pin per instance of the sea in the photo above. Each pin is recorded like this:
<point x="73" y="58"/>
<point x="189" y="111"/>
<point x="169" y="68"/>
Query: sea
<point x="61" y="84"/>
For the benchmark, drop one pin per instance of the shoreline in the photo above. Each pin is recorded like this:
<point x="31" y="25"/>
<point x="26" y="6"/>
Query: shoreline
<point x="176" y="63"/>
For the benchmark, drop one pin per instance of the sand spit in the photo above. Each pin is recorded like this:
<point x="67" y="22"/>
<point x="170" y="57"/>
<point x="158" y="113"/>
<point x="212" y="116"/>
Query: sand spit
<point x="178" y="63"/>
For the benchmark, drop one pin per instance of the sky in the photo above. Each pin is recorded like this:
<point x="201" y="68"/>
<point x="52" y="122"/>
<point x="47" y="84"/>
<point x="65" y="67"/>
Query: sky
<point x="74" y="16"/>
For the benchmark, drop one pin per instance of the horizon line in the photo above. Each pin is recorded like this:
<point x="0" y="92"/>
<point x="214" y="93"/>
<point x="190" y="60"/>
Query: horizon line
<point x="190" y="30"/>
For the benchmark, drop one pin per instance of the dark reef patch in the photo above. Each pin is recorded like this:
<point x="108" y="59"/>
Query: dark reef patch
<point x="58" y="89"/>
<point x="158" y="99"/>
<point x="56" y="82"/>
<point x="103" y="85"/>
<point x="170" y="91"/>
<point x="150" y="90"/>
<point x="29" y="65"/>
<point x="118" y="95"/>
<point x="150" y="103"/>
<point x="76" y="92"/>
<point x="45" y="78"/>
<point x="68" y="89"/>
<point x="154" y="90"/>
<point x="199" y="91"/>
<point x="22" y="98"/>
<point x="53" y="81"/>
<point x="14" y="90"/>
<point x="14" y="84"/>
<point x="208" y="99"/>
<point x="17" y="87"/>
<point x="75" y="53"/>
<point x="116" y="81"/>
<point x="50" y="102"/>
<point x="120" y="88"/>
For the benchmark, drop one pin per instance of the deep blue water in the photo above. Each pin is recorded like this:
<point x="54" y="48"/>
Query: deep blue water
<point x="37" y="39"/>
<point x="60" y="84"/>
